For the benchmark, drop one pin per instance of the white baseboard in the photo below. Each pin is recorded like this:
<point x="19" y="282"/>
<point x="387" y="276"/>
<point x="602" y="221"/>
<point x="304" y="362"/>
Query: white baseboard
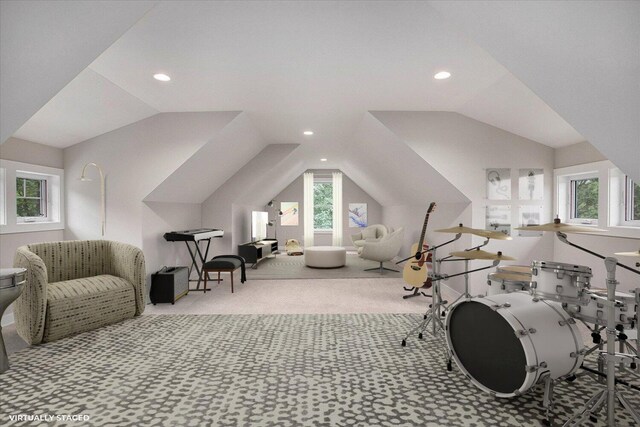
<point x="7" y="319"/>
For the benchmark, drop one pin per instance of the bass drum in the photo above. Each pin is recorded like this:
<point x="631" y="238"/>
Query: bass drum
<point x="505" y="343"/>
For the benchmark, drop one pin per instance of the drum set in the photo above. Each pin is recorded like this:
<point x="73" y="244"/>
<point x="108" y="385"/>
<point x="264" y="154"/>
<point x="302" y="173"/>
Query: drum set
<point x="524" y="330"/>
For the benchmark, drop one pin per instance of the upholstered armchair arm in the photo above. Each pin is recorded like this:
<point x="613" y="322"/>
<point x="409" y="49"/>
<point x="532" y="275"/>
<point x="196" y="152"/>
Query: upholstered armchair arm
<point x="356" y="237"/>
<point x="127" y="261"/>
<point x="30" y="308"/>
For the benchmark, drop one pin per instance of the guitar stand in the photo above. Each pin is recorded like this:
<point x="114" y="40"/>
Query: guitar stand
<point x="416" y="292"/>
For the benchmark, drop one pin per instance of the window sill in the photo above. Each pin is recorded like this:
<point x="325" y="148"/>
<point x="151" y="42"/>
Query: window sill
<point x="624" y="232"/>
<point x="30" y="227"/>
<point x="322" y="231"/>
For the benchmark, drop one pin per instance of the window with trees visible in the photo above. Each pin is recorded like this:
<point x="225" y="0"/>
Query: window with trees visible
<point x="584" y="198"/>
<point x="323" y="205"/>
<point x="31" y="198"/>
<point x="631" y="201"/>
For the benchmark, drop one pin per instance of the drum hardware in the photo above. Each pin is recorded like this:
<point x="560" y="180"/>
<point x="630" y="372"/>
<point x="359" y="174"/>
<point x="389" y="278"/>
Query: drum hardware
<point x="609" y="396"/>
<point x="438" y="309"/>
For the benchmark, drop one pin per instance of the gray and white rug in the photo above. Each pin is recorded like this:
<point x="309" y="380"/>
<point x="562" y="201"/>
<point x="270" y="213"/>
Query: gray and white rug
<point x="260" y="370"/>
<point x="284" y="266"/>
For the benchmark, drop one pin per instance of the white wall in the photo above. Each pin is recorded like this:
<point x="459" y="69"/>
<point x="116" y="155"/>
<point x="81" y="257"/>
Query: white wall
<point x="576" y="154"/>
<point x="136" y="159"/>
<point x="461" y="149"/>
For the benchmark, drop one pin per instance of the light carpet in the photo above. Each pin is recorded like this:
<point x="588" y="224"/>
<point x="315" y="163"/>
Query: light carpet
<point x="284" y="266"/>
<point x="261" y="370"/>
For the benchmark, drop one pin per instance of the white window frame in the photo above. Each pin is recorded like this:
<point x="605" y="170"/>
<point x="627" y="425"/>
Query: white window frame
<point x="610" y="197"/>
<point x="49" y="182"/>
<point x="619" y="189"/>
<point x="571" y="198"/>
<point x="321" y="180"/>
<point x="628" y="191"/>
<point x="10" y="222"/>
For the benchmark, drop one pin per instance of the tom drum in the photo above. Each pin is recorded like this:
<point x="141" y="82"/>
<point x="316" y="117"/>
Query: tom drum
<point x="504" y="283"/>
<point x="595" y="311"/>
<point x="561" y="282"/>
<point x="506" y="343"/>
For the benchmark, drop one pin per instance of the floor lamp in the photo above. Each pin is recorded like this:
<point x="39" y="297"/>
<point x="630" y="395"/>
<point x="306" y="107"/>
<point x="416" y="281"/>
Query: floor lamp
<point x="102" y="198"/>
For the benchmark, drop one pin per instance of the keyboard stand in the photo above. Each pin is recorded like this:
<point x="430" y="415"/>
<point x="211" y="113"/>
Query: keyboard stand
<point x="193" y="251"/>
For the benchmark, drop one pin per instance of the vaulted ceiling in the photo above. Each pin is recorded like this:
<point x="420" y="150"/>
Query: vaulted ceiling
<point x="292" y="66"/>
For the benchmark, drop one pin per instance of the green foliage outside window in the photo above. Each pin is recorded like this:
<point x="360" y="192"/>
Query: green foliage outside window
<point x="323" y="206"/>
<point x="29" y="197"/>
<point x="585" y="193"/>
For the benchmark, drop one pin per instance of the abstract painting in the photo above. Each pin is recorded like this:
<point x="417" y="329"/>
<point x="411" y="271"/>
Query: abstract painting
<point x="357" y="215"/>
<point x="289" y="213"/>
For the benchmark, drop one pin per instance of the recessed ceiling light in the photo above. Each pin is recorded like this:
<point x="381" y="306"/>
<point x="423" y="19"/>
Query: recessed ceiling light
<point x="308" y="132"/>
<point x="323" y="160"/>
<point x="161" y="77"/>
<point x="442" y="75"/>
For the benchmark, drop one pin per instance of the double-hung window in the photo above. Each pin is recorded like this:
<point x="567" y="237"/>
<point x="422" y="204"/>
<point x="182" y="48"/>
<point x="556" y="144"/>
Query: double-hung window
<point x="631" y="203"/>
<point x="31" y="197"/>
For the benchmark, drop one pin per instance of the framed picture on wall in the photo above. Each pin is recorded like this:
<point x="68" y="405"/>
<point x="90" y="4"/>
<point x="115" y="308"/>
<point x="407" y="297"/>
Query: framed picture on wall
<point x="357" y="215"/>
<point x="531" y="184"/>
<point x="499" y="218"/>
<point x="530" y="215"/>
<point x="290" y="213"/>
<point x="498" y="184"/>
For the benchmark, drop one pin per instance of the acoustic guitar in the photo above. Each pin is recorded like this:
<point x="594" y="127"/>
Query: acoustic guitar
<point x="415" y="271"/>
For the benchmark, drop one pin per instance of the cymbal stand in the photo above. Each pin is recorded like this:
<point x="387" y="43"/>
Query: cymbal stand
<point x="449" y="258"/>
<point x="608" y="396"/>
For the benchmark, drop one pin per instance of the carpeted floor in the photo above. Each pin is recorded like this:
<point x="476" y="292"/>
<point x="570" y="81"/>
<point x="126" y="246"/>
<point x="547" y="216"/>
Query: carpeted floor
<point x="261" y="370"/>
<point x="284" y="266"/>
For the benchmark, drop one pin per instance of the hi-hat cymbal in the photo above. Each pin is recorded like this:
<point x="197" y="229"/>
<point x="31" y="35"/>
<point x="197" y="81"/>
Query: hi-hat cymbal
<point x="556" y="225"/>
<point x="634" y="254"/>
<point x="480" y="254"/>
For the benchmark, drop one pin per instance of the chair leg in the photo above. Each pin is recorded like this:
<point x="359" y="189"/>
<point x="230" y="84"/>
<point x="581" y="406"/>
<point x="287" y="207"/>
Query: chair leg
<point x="381" y="269"/>
<point x="219" y="277"/>
<point x="206" y="274"/>
<point x="231" y="281"/>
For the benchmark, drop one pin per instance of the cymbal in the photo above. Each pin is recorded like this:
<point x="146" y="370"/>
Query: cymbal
<point x="556" y="225"/>
<point x="635" y="254"/>
<point x="492" y="235"/>
<point x="480" y="254"/>
<point x="460" y="229"/>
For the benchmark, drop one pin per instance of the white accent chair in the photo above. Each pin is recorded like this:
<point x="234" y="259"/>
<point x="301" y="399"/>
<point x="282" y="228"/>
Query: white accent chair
<point x="384" y="250"/>
<point x="372" y="233"/>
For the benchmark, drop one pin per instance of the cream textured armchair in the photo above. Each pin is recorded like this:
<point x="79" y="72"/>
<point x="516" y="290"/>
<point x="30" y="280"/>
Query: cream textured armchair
<point x="372" y="233"/>
<point x="75" y="286"/>
<point x="384" y="250"/>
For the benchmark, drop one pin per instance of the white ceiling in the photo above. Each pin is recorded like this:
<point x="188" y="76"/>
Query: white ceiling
<point x="293" y="66"/>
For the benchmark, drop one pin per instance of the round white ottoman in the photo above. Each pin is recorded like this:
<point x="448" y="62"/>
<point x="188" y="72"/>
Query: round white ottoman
<point x="325" y="256"/>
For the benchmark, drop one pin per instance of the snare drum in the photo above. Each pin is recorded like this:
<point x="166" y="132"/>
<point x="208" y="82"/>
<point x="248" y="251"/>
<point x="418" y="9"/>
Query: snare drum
<point x="11" y="282"/>
<point x="504" y="283"/>
<point x="12" y="277"/>
<point x="595" y="311"/>
<point x="516" y="269"/>
<point x="506" y="343"/>
<point x="561" y="282"/>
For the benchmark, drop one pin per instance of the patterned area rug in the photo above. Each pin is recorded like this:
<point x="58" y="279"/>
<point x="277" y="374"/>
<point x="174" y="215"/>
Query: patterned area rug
<point x="261" y="370"/>
<point x="284" y="266"/>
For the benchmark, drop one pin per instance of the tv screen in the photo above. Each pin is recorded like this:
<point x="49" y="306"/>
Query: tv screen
<point x="259" y="221"/>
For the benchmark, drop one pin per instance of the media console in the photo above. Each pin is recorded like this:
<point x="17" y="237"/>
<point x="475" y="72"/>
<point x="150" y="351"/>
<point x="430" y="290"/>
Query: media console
<point x="254" y="252"/>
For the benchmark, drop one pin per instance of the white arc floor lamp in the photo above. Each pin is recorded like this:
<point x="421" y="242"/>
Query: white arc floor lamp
<point x="102" y="198"/>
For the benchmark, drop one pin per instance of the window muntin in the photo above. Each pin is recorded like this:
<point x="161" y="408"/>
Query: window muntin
<point x="584" y="198"/>
<point x="631" y="201"/>
<point x="322" y="205"/>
